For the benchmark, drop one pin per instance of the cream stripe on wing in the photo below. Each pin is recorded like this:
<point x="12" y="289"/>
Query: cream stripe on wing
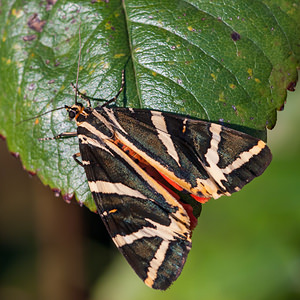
<point x="161" y="127"/>
<point x="167" y="232"/>
<point x="244" y="157"/>
<point x="156" y="262"/>
<point x="89" y="141"/>
<point x="212" y="156"/>
<point x="105" y="187"/>
<point x="112" y="117"/>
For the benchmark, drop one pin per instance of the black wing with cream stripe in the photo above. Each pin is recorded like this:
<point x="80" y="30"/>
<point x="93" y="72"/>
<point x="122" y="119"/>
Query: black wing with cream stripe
<point x="122" y="148"/>
<point x="149" y="227"/>
<point x="205" y="159"/>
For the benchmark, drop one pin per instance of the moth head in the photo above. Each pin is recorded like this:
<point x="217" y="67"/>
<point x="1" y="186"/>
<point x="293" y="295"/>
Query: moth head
<point x="75" y="110"/>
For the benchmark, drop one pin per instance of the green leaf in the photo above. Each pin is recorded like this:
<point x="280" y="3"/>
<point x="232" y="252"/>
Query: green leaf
<point x="224" y="62"/>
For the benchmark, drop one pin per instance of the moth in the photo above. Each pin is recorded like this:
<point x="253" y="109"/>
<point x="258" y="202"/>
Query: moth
<point x="149" y="171"/>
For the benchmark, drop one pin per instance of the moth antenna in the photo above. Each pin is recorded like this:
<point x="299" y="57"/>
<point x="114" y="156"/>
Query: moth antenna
<point x="78" y="64"/>
<point x="47" y="112"/>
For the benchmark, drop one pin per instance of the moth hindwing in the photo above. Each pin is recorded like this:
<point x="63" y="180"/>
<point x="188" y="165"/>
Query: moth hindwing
<point x="149" y="171"/>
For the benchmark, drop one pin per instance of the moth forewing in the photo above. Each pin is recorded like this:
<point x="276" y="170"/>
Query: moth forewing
<point x="135" y="209"/>
<point x="203" y="158"/>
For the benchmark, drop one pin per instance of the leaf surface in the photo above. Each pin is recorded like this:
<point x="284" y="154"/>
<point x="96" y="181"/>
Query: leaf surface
<point x="228" y="62"/>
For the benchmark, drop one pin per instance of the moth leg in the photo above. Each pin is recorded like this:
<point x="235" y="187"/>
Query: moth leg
<point x="77" y="160"/>
<point x="118" y="93"/>
<point x="84" y="96"/>
<point x="59" y="136"/>
<point x="88" y="98"/>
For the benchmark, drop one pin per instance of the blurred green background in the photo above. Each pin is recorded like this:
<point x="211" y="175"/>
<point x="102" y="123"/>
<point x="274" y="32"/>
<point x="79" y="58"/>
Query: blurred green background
<point x="245" y="247"/>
